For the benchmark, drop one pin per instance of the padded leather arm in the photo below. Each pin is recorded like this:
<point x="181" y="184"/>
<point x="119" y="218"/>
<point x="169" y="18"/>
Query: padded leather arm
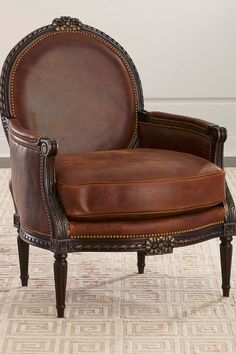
<point x="174" y="132"/>
<point x="33" y="188"/>
<point x="22" y="134"/>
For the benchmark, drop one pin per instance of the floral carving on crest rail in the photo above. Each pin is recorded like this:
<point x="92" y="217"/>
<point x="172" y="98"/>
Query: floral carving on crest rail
<point x="66" y="23"/>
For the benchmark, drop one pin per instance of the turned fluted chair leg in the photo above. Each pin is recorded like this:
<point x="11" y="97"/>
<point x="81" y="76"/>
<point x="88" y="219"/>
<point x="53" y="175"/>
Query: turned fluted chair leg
<point x="23" y="251"/>
<point x="226" y="250"/>
<point x="60" y="277"/>
<point x="141" y="261"/>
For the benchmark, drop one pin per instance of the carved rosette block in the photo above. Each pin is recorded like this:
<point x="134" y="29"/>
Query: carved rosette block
<point x="59" y="246"/>
<point x="49" y="147"/>
<point x="159" y="245"/>
<point x="229" y="229"/>
<point x="66" y="23"/>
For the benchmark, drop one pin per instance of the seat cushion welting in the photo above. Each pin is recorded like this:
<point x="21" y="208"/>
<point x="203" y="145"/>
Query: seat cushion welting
<point x="136" y="184"/>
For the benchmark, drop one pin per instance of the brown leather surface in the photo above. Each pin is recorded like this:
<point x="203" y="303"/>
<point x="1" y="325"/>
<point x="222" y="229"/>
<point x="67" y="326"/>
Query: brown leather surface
<point x="26" y="186"/>
<point x="145" y="228"/>
<point x="76" y="90"/>
<point x="175" y="132"/>
<point x="177" y="118"/>
<point x="137" y="183"/>
<point x="21" y="133"/>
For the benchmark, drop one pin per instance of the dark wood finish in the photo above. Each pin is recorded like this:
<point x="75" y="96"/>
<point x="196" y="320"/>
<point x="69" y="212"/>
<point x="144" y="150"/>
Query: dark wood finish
<point x="151" y="246"/>
<point x="23" y="251"/>
<point x="226" y="250"/>
<point x="141" y="261"/>
<point x="60" y="276"/>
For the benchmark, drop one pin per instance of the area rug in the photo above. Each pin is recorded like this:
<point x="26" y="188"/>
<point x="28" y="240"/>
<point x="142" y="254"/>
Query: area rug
<point x="175" y="307"/>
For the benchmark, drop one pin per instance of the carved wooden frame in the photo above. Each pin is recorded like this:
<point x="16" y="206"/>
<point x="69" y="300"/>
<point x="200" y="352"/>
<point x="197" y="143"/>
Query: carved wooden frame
<point x="60" y="243"/>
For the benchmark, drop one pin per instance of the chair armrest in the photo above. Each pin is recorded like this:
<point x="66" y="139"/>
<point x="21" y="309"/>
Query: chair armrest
<point x="33" y="182"/>
<point x="174" y="132"/>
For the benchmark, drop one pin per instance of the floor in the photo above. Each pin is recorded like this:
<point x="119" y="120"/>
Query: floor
<point x="175" y="307"/>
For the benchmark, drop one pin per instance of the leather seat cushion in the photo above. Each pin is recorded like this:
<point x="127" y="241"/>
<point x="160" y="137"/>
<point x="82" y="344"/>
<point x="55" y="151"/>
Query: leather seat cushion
<point x="169" y="225"/>
<point x="140" y="183"/>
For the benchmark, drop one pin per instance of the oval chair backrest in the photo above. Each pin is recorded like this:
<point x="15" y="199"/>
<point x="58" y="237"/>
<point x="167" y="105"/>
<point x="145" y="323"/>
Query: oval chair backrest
<point x="75" y="84"/>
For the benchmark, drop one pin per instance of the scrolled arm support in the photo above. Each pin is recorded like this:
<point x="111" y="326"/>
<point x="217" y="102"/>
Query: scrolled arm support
<point x="49" y="147"/>
<point x="218" y="136"/>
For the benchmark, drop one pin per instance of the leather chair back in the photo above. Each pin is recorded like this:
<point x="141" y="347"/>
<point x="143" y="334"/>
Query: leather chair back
<point x="75" y="84"/>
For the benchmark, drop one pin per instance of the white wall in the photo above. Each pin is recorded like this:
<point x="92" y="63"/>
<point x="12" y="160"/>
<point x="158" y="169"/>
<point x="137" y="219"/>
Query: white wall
<point x="185" y="50"/>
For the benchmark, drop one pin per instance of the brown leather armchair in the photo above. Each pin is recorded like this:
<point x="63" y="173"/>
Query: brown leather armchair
<point x="91" y="169"/>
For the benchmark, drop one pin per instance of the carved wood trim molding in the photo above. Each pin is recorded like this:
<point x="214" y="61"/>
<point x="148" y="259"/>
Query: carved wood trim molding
<point x="66" y="23"/>
<point x="151" y="246"/>
<point x="159" y="245"/>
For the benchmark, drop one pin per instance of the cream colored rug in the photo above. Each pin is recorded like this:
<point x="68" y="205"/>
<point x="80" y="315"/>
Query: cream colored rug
<point x="175" y="307"/>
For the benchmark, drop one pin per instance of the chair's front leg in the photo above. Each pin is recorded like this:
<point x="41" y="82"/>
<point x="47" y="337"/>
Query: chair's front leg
<point x="141" y="261"/>
<point x="60" y="277"/>
<point x="23" y="251"/>
<point x="226" y="250"/>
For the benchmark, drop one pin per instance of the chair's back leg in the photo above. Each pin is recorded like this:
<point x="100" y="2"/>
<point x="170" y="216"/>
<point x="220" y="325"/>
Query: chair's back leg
<point x="60" y="276"/>
<point x="23" y="251"/>
<point x="226" y="250"/>
<point x="141" y="261"/>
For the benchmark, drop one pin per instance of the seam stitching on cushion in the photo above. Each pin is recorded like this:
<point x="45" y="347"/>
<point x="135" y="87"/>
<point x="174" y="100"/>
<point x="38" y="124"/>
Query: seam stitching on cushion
<point x="205" y="206"/>
<point x="218" y="174"/>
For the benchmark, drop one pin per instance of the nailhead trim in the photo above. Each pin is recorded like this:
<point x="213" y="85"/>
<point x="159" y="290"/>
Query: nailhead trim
<point x="12" y="137"/>
<point x="149" y="235"/>
<point x="34" y="240"/>
<point x="153" y="116"/>
<point x="37" y="149"/>
<point x="42" y="191"/>
<point x="132" y="140"/>
<point x="156" y="117"/>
